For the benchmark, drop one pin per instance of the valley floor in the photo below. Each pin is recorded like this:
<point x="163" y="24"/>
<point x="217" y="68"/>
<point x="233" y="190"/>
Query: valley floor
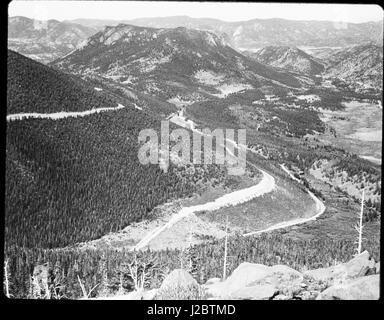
<point x="358" y="129"/>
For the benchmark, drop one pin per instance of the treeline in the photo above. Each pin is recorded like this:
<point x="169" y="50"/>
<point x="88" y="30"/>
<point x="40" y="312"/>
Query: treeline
<point x="108" y="269"/>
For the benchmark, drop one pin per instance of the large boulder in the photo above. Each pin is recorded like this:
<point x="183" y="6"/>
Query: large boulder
<point x="179" y="285"/>
<point x="149" y="295"/>
<point x="255" y="281"/>
<point x="257" y="292"/>
<point x="357" y="267"/>
<point x="363" y="288"/>
<point x="212" y="281"/>
<point x="133" y="295"/>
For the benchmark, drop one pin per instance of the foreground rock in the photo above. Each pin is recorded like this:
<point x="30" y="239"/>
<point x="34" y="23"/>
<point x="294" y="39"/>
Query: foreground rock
<point x="364" y="288"/>
<point x="357" y="279"/>
<point x="255" y="281"/>
<point x="360" y="265"/>
<point x="179" y="285"/>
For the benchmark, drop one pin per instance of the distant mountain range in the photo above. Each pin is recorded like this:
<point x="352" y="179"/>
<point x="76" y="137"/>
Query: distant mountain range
<point x="168" y="62"/>
<point x="45" y="41"/>
<point x="257" y="33"/>
<point x="358" y="66"/>
<point x="350" y="51"/>
<point x="288" y="58"/>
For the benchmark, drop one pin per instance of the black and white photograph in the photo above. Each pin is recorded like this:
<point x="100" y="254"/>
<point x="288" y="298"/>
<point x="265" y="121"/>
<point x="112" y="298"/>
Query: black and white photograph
<point x="179" y="150"/>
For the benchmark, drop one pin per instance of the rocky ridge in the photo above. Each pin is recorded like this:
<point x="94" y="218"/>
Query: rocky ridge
<point x="288" y="58"/>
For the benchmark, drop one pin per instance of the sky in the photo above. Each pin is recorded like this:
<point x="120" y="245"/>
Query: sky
<point x="126" y="10"/>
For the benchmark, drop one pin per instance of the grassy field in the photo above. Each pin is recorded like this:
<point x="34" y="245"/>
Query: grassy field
<point x="358" y="128"/>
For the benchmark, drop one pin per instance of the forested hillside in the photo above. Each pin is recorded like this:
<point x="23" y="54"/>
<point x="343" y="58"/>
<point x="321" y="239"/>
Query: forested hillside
<point x="33" y="87"/>
<point x="76" y="179"/>
<point x="360" y="66"/>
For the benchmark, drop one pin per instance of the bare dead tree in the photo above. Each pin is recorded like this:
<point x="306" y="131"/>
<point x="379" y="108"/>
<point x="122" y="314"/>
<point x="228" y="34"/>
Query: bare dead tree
<point x="34" y="290"/>
<point x="225" y="250"/>
<point x="121" y="288"/>
<point x="84" y="291"/>
<point x="6" y="279"/>
<point x="138" y="273"/>
<point x="359" y="227"/>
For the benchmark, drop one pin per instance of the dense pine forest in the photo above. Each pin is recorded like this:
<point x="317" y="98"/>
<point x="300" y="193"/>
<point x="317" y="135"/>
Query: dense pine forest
<point x="33" y="87"/>
<point x="77" y="179"/>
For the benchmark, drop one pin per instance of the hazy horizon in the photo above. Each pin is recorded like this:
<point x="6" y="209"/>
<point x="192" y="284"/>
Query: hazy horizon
<point x="228" y="12"/>
<point x="161" y="17"/>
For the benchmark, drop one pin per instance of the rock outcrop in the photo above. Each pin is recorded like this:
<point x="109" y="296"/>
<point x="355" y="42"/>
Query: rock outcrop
<point x="179" y="285"/>
<point x="254" y="281"/>
<point x="356" y="279"/>
<point x="363" y="288"/>
<point x="358" y="266"/>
